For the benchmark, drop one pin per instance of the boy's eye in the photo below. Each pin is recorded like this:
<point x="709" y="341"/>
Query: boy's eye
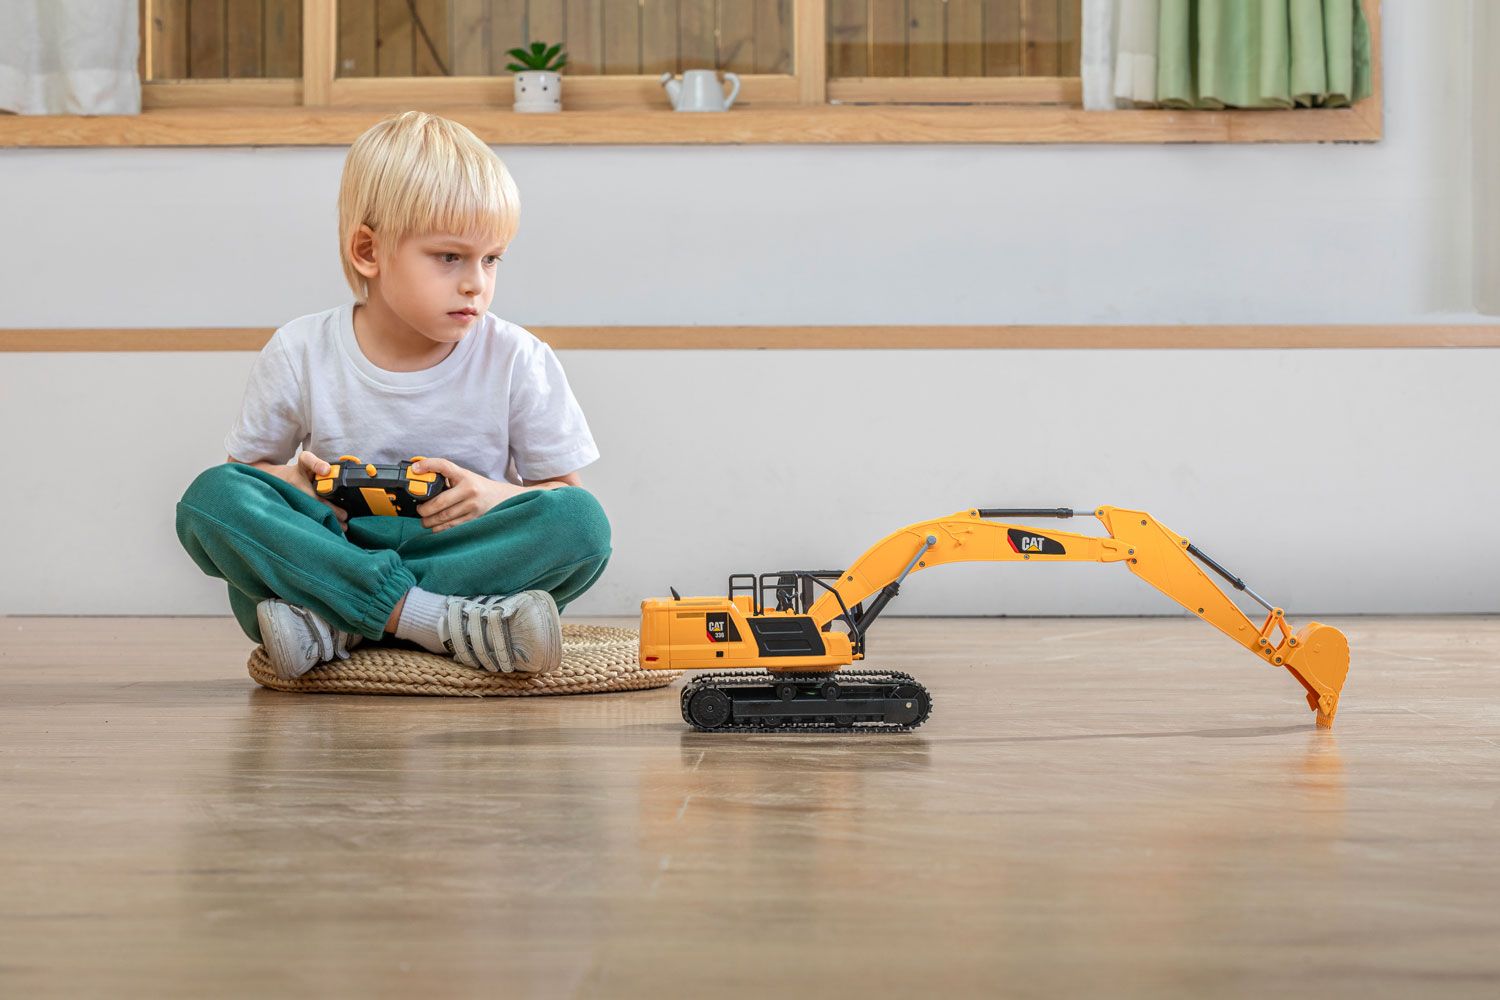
<point x="490" y="260"/>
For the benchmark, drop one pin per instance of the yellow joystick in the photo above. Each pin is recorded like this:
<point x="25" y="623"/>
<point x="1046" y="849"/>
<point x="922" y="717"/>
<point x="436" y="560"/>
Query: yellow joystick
<point x="423" y="477"/>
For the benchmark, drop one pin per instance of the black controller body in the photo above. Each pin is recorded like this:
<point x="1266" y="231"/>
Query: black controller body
<point x="366" y="490"/>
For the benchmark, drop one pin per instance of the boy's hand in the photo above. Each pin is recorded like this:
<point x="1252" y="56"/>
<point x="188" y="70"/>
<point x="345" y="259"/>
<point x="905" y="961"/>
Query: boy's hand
<point x="303" y="474"/>
<point x="468" y="494"/>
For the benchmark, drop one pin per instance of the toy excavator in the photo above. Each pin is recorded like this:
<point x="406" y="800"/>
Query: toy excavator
<point x="783" y="663"/>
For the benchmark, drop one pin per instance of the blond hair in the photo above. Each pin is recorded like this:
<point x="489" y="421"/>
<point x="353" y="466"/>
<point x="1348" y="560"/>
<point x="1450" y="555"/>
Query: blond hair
<point x="418" y="173"/>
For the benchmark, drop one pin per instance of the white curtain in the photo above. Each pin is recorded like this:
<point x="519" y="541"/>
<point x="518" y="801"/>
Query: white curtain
<point x="70" y="57"/>
<point x="1098" y="70"/>
<point x="1138" y="23"/>
<point x="1119" y="53"/>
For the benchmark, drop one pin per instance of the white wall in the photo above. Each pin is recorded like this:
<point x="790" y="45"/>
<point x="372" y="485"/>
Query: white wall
<point x="1333" y="481"/>
<point x="1486" y="124"/>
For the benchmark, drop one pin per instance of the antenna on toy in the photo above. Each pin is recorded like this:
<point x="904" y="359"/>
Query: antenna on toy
<point x="675" y="595"/>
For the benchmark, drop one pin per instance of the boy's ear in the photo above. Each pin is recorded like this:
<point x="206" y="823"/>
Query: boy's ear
<point x="362" y="247"/>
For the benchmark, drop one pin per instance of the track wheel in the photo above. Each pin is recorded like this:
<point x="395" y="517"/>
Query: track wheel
<point x="709" y="708"/>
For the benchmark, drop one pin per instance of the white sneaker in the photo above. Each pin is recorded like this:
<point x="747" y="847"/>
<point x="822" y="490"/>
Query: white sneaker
<point x="296" y="639"/>
<point x="502" y="634"/>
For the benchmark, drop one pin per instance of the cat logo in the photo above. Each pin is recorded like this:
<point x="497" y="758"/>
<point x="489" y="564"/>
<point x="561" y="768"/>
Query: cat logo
<point x="1028" y="542"/>
<point x="720" y="628"/>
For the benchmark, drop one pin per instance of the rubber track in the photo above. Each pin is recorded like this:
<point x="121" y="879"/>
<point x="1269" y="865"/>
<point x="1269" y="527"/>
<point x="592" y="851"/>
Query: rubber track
<point x="730" y="679"/>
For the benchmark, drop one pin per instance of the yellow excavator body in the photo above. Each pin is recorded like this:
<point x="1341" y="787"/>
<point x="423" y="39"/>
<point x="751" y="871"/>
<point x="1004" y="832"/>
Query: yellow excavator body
<point x="714" y="633"/>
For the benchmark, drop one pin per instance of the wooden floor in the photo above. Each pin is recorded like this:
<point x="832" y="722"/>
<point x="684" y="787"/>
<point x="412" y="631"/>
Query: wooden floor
<point x="1097" y="808"/>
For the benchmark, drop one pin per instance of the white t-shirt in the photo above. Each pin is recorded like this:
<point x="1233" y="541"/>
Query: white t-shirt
<point x="498" y="402"/>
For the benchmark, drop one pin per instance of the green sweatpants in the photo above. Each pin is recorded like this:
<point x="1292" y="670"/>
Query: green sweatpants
<point x="269" y="539"/>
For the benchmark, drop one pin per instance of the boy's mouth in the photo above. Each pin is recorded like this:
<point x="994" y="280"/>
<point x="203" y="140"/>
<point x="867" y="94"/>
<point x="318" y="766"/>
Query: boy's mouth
<point x="464" y="313"/>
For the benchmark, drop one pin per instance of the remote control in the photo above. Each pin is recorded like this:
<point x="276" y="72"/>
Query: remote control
<point x="363" y="489"/>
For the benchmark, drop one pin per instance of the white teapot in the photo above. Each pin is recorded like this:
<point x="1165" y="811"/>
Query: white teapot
<point x="700" y="90"/>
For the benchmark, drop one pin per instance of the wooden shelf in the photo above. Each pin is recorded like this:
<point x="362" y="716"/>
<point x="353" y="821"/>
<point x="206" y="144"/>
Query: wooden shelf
<point x="819" y="124"/>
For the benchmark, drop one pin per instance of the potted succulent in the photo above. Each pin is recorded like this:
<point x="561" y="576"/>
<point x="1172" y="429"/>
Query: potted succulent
<point x="538" y="84"/>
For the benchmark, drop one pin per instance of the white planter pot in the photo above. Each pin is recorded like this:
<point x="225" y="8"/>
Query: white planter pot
<point x="538" y="91"/>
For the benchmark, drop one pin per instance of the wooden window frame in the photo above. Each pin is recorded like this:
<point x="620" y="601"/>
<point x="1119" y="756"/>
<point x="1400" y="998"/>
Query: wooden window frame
<point x="803" y="107"/>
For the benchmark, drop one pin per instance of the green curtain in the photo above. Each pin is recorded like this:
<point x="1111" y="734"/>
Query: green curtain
<point x="1262" y="53"/>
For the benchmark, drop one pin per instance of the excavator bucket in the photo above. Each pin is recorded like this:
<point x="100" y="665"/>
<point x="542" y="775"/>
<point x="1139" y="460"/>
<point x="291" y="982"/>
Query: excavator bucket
<point x="1319" y="659"/>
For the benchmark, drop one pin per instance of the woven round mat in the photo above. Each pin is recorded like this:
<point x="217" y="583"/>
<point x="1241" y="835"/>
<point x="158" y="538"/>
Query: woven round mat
<point x="595" y="658"/>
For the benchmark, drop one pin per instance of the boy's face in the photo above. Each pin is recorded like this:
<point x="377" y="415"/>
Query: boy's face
<point x="439" y="283"/>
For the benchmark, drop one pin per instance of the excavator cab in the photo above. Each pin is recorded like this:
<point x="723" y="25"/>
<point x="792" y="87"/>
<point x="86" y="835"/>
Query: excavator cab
<point x="741" y="630"/>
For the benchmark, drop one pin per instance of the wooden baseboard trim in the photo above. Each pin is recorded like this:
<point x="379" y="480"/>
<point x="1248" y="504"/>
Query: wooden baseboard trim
<point x="712" y="338"/>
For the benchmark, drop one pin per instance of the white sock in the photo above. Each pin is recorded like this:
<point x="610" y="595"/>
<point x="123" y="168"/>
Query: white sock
<point x="419" y="619"/>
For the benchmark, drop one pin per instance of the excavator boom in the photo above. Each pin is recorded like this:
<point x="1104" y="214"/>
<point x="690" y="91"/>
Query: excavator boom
<point x="800" y="636"/>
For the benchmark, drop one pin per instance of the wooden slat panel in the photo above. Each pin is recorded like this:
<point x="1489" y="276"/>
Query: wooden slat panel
<point x="169" y="43"/>
<point x="283" y="38"/>
<point x="1039" y="29"/>
<point x="281" y="93"/>
<point x="699" y="338"/>
<point x="848" y="38"/>
<point x="958" y="90"/>
<point x="1070" y="38"/>
<point x="695" y="34"/>
<point x="659" y="36"/>
<point x="508" y="30"/>
<point x="393" y="38"/>
<point x="206" y="52"/>
<point x="810" y="51"/>
<point x="888" y="38"/>
<point x="431" y="55"/>
<point x="585" y="37"/>
<point x="469" y="37"/>
<point x="320" y="31"/>
<point x="965" y="38"/>
<point x="969" y="38"/>
<point x="622" y="36"/>
<point x="243" y="26"/>
<point x="924" y="37"/>
<point x="773" y="35"/>
<point x="737" y="36"/>
<point x="357" y="39"/>
<point x="547" y="21"/>
<point x="1003" y="54"/>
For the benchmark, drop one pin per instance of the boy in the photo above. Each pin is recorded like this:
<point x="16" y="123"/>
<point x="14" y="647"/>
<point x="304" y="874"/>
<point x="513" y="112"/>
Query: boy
<point x="416" y="365"/>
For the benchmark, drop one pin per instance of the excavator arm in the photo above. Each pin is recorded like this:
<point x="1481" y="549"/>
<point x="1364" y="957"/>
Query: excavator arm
<point x="1317" y="655"/>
